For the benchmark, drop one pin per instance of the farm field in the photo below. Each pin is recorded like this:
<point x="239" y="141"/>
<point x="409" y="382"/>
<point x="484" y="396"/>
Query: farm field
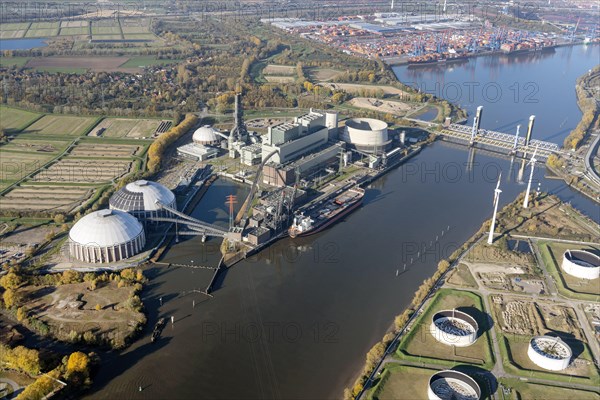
<point x="45" y="198"/>
<point x="15" y="120"/>
<point x="17" y="165"/>
<point x="104" y="150"/>
<point x="61" y="125"/>
<point x="323" y="74"/>
<point x="279" y="79"/>
<point x="124" y="127"/>
<point x="34" y="145"/>
<point x="357" y="88"/>
<point x="146" y="61"/>
<point x="280" y="70"/>
<point x="95" y="171"/>
<point x="64" y="31"/>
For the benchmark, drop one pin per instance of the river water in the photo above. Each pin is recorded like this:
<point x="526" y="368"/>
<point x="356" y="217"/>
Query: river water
<point x="296" y="321"/>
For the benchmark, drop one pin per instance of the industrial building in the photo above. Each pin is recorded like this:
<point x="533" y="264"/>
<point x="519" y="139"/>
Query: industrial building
<point x="197" y="152"/>
<point x="140" y="199"/>
<point x="293" y="140"/>
<point x="454" y="328"/>
<point x="549" y="352"/>
<point x="581" y="264"/>
<point x="299" y="147"/>
<point x="251" y="154"/>
<point x="288" y="174"/>
<point x="106" y="236"/>
<point x="367" y="135"/>
<point x="451" y="384"/>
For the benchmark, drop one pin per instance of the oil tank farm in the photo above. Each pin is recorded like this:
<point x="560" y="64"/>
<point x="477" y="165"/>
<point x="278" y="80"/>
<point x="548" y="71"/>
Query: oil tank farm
<point x="454" y="328"/>
<point x="581" y="264"/>
<point x="453" y="385"/>
<point x="139" y="198"/>
<point x="367" y="135"/>
<point x="549" y="352"/>
<point x="106" y="236"/>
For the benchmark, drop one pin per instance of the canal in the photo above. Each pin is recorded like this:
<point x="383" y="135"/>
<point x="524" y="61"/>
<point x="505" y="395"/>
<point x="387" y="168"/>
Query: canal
<point x="296" y="321"/>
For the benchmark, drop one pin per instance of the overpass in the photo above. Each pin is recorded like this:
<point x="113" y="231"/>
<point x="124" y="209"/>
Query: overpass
<point x="196" y="227"/>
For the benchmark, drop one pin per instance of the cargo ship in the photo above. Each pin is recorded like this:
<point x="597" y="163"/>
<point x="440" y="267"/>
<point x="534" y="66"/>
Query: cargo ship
<point x="435" y="58"/>
<point x="330" y="212"/>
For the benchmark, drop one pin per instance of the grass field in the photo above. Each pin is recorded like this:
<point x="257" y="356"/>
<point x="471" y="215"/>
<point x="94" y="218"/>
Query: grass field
<point x="73" y="31"/>
<point x="552" y="255"/>
<point x="61" y="125"/>
<point x="402" y="382"/>
<point x="6" y="62"/>
<point x="420" y="343"/>
<point x="41" y="33"/>
<point x="462" y="277"/>
<point x="122" y="127"/>
<point x="533" y="391"/>
<point x="35" y="145"/>
<point x="15" y="120"/>
<point x="147" y="61"/>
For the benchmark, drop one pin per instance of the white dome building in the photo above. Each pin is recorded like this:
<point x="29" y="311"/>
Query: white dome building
<point x="139" y="199"/>
<point x="206" y="135"/>
<point x="581" y="264"/>
<point x="106" y="236"/>
<point x="367" y="134"/>
<point x="452" y="385"/>
<point x="454" y="328"/>
<point x="549" y="352"/>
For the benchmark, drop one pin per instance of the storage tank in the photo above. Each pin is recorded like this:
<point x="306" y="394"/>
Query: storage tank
<point x="367" y="134"/>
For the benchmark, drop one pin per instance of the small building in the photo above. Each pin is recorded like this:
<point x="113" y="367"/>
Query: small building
<point x="259" y="235"/>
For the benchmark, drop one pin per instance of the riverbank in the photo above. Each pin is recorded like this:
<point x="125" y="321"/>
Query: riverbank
<point x="512" y="221"/>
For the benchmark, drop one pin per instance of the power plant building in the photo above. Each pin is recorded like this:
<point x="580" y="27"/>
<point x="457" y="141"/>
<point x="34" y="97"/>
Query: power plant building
<point x="293" y="140"/>
<point x="367" y="135"/>
<point x="581" y="264"/>
<point x="106" y="236"/>
<point x="140" y="199"/>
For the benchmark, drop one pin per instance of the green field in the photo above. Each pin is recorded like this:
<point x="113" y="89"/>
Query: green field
<point x="73" y="31"/>
<point x="63" y="70"/>
<point x="122" y="127"/>
<point x="105" y="30"/>
<point x="62" y="125"/>
<point x="140" y="36"/>
<point x="41" y="33"/>
<point x="420" y="344"/>
<point x="14" y="26"/>
<point x="402" y="382"/>
<point x="16" y="34"/>
<point x="136" y="62"/>
<point x="106" y="37"/>
<point x="570" y="286"/>
<point x="15" y="120"/>
<point x="6" y="62"/>
<point x="44" y="25"/>
<point x="533" y="391"/>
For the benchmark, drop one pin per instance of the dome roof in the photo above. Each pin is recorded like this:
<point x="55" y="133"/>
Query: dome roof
<point x="106" y="228"/>
<point x="205" y="135"/>
<point x="141" y="196"/>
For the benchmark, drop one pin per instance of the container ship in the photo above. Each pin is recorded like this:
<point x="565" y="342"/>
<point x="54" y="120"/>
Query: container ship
<point x="435" y="58"/>
<point x="322" y="217"/>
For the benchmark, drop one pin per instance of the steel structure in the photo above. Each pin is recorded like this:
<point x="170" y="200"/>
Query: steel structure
<point x="197" y="226"/>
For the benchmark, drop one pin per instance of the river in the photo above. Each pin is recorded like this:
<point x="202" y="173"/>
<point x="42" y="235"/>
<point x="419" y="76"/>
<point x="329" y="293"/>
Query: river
<point x="296" y="321"/>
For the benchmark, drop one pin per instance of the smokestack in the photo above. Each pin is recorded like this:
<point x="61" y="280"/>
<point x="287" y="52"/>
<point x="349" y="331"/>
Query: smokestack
<point x="529" y="130"/>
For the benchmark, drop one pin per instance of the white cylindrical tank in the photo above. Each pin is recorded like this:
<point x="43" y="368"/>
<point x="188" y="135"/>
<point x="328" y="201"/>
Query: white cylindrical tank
<point x="549" y="352"/>
<point x="367" y="134"/>
<point x="331" y="119"/>
<point x="140" y="199"/>
<point x="106" y="236"/>
<point x="454" y="328"/>
<point x="451" y="385"/>
<point x="581" y="264"/>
